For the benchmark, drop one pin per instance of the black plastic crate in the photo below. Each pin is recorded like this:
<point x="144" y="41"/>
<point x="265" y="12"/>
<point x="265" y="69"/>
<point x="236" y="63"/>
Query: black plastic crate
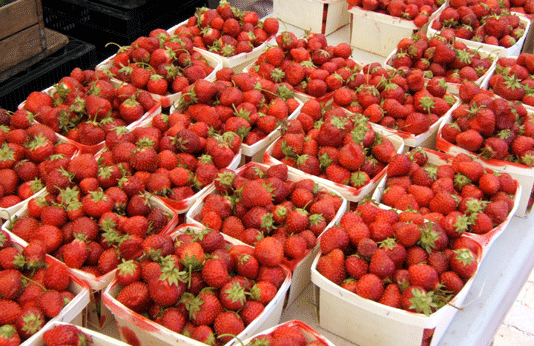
<point x="102" y="21"/>
<point x="47" y="72"/>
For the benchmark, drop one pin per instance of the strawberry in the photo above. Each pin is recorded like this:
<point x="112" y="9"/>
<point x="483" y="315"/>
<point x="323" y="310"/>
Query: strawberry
<point x="370" y="287"/>
<point x="269" y="251"/>
<point x="463" y="263"/>
<point x="331" y="266"/>
<point x="228" y="323"/>
<point x="135" y="296"/>
<point x="64" y="335"/>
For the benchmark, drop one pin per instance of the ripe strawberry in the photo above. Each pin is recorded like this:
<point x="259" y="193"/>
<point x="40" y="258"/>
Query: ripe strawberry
<point x="269" y="251"/>
<point x="135" y="296"/>
<point x="464" y="263"/>
<point x="332" y="267"/>
<point x="228" y="322"/>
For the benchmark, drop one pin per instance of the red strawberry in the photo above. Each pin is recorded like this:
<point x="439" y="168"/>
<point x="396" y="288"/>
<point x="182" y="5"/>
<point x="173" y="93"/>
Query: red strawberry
<point x="332" y="266"/>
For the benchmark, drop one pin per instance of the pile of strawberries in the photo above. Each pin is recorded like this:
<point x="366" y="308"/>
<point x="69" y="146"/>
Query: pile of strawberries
<point x="260" y="206"/>
<point x="172" y="157"/>
<point x="289" y="333"/>
<point x="238" y="103"/>
<point x="85" y="105"/>
<point x="160" y="63"/>
<point x="491" y="126"/>
<point x="440" y="56"/>
<point x="92" y="215"/>
<point x="198" y="286"/>
<point x="482" y="21"/>
<point x="310" y="64"/>
<point x="512" y="78"/>
<point x="66" y="335"/>
<point x="333" y="144"/>
<point x="459" y="195"/>
<point x="416" y="11"/>
<point x="28" y="152"/>
<point x="32" y="292"/>
<point x="398" y="99"/>
<point x="397" y="259"/>
<point x="226" y="30"/>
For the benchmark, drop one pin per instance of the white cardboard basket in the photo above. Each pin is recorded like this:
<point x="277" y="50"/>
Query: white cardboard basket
<point x="151" y="333"/>
<point x="97" y="315"/>
<point x="182" y="206"/>
<point x="309" y="333"/>
<point x="454" y="88"/>
<point x="251" y="150"/>
<point x="500" y="51"/>
<point x="352" y="194"/>
<point x="369" y="323"/>
<point x="485" y="240"/>
<point x="485" y="85"/>
<point x="93" y="149"/>
<point x="301" y="271"/>
<point x="73" y="311"/>
<point x="522" y="173"/>
<point x="167" y="100"/>
<point x="236" y="62"/>
<point x="97" y="339"/>
<point x="319" y="16"/>
<point x="379" y="33"/>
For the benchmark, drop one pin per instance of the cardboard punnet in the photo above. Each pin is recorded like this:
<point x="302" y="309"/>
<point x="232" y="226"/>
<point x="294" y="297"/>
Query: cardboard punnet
<point x="73" y="311"/>
<point x="253" y="149"/>
<point x="309" y="333"/>
<point x="320" y="16"/>
<point x="485" y="240"/>
<point x="369" y="323"/>
<point x="97" y="339"/>
<point x="500" y="51"/>
<point x="97" y="315"/>
<point x="522" y="173"/>
<point x="453" y="88"/>
<point x="93" y="149"/>
<point x="379" y="33"/>
<point x="300" y="267"/>
<point x="133" y="326"/>
<point x="167" y="100"/>
<point x="352" y="194"/>
<point x="236" y="62"/>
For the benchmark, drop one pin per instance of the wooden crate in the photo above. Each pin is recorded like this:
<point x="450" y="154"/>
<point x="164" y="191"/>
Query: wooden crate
<point x="23" y="33"/>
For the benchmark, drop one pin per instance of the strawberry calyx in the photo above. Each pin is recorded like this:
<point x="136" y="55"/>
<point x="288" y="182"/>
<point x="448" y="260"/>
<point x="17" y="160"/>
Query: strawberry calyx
<point x="324" y="161"/>
<point x="236" y="293"/>
<point x="475" y="206"/>
<point x="422" y="301"/>
<point x="460" y="180"/>
<point x="428" y="237"/>
<point x="6" y="153"/>
<point x="465" y="256"/>
<point x="267" y="222"/>
<point x="462" y="224"/>
<point x="358" y="179"/>
<point x="278" y="75"/>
